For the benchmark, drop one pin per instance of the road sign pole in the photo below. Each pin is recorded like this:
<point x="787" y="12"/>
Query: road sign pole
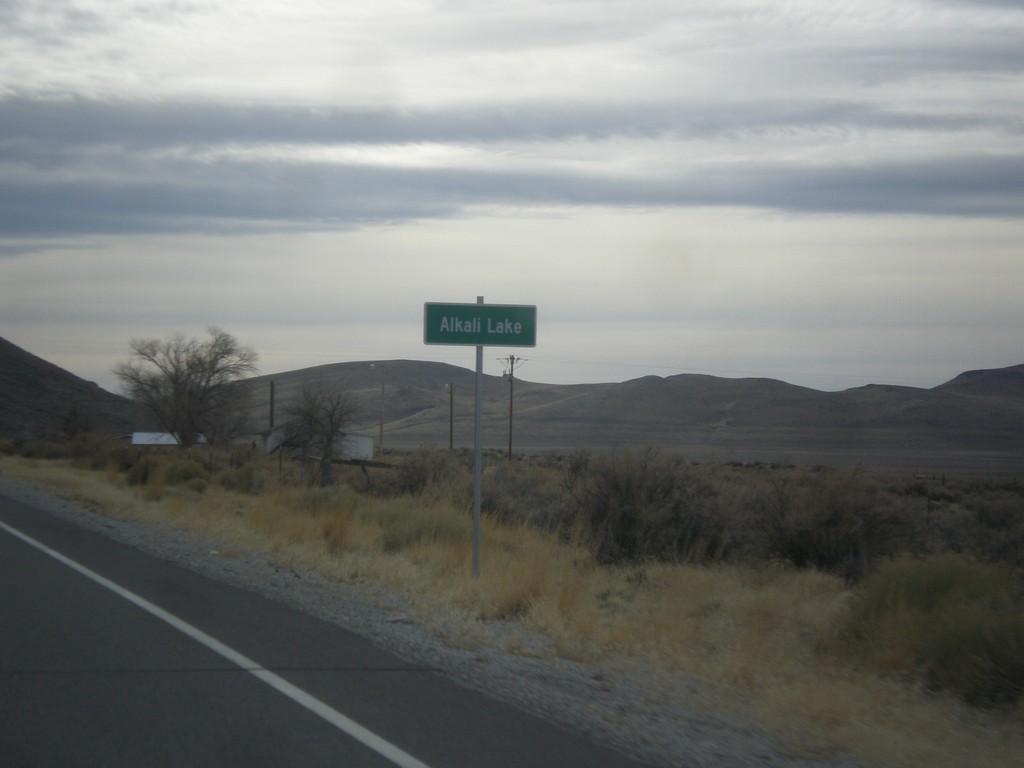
<point x="477" y="454"/>
<point x="480" y="325"/>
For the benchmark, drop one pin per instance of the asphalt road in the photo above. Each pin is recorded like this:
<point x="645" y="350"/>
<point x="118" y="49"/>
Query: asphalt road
<point x="110" y="657"/>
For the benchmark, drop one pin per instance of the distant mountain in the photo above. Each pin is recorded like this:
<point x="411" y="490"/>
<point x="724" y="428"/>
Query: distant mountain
<point x="975" y="420"/>
<point x="39" y="400"/>
<point x="994" y="383"/>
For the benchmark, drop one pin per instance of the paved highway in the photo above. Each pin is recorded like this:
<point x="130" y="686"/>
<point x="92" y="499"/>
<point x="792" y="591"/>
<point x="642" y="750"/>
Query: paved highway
<point x="110" y="657"/>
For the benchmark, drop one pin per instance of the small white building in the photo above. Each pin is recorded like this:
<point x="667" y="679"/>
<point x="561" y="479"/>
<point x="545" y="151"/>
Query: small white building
<point x="164" y="439"/>
<point x="349" y="447"/>
<point x="355" y="447"/>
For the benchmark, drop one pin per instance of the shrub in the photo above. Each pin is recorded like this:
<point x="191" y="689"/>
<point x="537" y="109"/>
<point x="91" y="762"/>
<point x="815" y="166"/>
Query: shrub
<point x="196" y="485"/>
<point x="97" y="452"/>
<point x="642" y="507"/>
<point x="436" y="475"/>
<point x="978" y="653"/>
<point x="184" y="471"/>
<point x="144" y="471"/>
<point x="516" y="492"/>
<point x="245" y="479"/>
<point x="324" y="500"/>
<point x="405" y="523"/>
<point x="44" y="449"/>
<point x="336" y="530"/>
<point x="953" y="621"/>
<point x="832" y="520"/>
<point x="998" y="525"/>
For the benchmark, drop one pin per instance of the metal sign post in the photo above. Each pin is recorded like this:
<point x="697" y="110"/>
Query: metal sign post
<point x="505" y="325"/>
<point x="478" y="461"/>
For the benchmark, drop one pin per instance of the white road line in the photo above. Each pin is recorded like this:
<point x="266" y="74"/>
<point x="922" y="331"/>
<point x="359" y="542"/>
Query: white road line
<point x="384" y="748"/>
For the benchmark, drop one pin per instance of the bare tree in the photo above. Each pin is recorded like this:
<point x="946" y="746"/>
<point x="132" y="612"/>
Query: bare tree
<point x="192" y="387"/>
<point x="316" y="424"/>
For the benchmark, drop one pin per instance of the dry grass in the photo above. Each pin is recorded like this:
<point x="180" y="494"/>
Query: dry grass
<point x="753" y="635"/>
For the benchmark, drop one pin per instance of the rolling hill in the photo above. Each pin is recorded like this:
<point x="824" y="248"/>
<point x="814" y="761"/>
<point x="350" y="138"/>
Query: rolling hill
<point x="975" y="420"/>
<point x="40" y="401"/>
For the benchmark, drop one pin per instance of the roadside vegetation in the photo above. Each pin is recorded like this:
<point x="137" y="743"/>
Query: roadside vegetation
<point x="880" y="613"/>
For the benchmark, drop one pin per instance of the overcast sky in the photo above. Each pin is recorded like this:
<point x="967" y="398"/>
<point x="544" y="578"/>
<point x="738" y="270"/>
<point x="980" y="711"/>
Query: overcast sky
<point x="827" y="193"/>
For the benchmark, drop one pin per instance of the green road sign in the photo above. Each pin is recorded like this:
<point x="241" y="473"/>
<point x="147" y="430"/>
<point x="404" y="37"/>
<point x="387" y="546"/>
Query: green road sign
<point x="480" y="325"/>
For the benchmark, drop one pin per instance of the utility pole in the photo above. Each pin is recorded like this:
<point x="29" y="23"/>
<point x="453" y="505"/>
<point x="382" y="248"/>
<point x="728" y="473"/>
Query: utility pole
<point x="451" y="416"/>
<point x="510" y="361"/>
<point x="271" y="405"/>
<point x="380" y="439"/>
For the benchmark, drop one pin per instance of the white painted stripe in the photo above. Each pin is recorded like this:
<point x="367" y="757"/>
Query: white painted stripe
<point x="334" y="717"/>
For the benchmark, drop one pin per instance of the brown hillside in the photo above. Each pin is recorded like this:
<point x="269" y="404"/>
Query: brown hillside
<point x="40" y="401"/>
<point x="975" y="421"/>
<point x="703" y="416"/>
<point x="997" y="383"/>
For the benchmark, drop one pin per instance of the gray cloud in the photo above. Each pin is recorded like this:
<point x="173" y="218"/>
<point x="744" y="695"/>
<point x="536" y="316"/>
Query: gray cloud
<point x="78" y="166"/>
<point x="994" y="53"/>
<point x="226" y="196"/>
<point x="1011" y="4"/>
<point x="55" y="124"/>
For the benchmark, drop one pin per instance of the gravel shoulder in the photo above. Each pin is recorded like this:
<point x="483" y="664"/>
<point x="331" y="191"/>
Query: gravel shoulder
<point x="666" y="722"/>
